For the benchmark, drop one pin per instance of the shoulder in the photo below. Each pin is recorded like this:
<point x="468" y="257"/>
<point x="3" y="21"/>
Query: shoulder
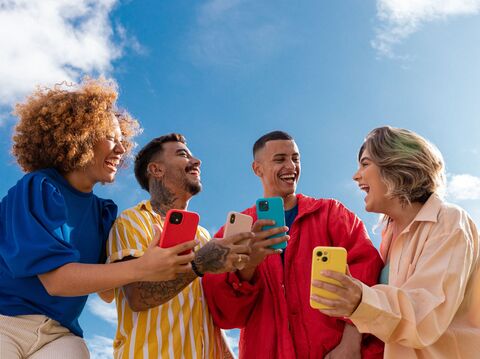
<point x="36" y="196"/>
<point x="137" y="213"/>
<point x="452" y="217"/>
<point x="37" y="181"/>
<point x="321" y="205"/>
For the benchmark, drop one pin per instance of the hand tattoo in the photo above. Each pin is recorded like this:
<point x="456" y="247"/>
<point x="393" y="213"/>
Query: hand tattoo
<point x="212" y="257"/>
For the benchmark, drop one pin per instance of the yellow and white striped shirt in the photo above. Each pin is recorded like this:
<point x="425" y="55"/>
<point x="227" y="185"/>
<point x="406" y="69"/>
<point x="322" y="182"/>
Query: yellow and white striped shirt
<point x="180" y="328"/>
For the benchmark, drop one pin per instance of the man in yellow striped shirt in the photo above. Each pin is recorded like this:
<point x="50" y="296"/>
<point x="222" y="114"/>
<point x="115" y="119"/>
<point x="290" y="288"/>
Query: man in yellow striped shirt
<point x="169" y="319"/>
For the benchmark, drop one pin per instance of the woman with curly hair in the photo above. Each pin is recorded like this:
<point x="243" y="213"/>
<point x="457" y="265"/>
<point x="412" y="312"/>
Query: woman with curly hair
<point x="427" y="302"/>
<point x="53" y="229"/>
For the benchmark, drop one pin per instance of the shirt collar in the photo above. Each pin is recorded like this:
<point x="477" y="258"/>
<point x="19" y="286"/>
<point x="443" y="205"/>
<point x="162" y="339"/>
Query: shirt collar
<point x="429" y="211"/>
<point x="145" y="206"/>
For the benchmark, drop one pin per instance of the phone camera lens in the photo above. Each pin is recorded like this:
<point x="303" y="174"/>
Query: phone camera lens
<point x="232" y="218"/>
<point x="324" y="259"/>
<point x="176" y="218"/>
<point x="263" y="206"/>
<point x="319" y="253"/>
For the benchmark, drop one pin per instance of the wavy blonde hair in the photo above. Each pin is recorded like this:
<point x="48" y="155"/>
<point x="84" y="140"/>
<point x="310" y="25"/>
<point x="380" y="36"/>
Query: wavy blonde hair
<point x="58" y="127"/>
<point x="411" y="167"/>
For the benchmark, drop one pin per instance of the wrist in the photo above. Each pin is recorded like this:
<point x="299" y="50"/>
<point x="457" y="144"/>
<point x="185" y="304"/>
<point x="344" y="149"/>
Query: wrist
<point x="135" y="270"/>
<point x="246" y="274"/>
<point x="196" y="270"/>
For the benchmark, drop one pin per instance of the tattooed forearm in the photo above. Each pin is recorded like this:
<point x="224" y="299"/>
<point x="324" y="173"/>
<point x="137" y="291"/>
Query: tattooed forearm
<point x="146" y="295"/>
<point x="212" y="257"/>
<point x="162" y="198"/>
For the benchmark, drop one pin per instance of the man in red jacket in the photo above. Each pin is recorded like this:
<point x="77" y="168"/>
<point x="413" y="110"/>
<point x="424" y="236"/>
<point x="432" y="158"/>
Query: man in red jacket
<point x="270" y="298"/>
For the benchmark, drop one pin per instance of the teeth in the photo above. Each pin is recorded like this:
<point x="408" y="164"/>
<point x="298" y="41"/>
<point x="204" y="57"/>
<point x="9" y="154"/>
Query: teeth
<point x="112" y="163"/>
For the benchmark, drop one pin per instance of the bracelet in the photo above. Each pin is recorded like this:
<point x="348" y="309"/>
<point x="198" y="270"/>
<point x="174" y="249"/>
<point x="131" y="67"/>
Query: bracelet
<point x="196" y="270"/>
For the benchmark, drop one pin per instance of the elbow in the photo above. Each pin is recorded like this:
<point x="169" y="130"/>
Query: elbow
<point x="55" y="290"/>
<point x="137" y="307"/>
<point x="52" y="287"/>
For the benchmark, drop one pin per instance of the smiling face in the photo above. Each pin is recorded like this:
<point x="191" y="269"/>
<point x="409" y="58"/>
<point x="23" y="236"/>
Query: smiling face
<point x="370" y="180"/>
<point x="178" y="168"/>
<point x="108" y="153"/>
<point x="278" y="166"/>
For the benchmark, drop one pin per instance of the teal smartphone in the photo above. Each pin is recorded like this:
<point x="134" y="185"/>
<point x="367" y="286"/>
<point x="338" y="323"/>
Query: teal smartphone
<point x="272" y="208"/>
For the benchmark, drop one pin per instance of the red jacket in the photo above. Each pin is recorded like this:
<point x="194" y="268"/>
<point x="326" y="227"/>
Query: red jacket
<point x="273" y="310"/>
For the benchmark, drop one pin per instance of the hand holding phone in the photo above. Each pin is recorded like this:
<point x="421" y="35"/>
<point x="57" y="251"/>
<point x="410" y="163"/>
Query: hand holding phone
<point x="179" y="227"/>
<point x="326" y="258"/>
<point x="272" y="208"/>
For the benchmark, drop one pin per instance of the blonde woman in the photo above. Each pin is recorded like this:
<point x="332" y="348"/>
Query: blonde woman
<point x="426" y="305"/>
<point x="53" y="229"/>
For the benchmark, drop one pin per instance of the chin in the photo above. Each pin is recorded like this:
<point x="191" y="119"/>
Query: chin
<point x="194" y="188"/>
<point x="108" y="179"/>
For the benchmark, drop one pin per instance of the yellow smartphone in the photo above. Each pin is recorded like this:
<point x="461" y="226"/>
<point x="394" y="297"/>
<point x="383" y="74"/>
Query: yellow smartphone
<point x="326" y="258"/>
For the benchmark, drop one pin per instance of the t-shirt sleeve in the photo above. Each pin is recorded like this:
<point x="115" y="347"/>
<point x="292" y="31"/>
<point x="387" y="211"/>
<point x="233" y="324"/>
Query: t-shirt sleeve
<point x="109" y="213"/>
<point x="128" y="237"/>
<point x="35" y="237"/>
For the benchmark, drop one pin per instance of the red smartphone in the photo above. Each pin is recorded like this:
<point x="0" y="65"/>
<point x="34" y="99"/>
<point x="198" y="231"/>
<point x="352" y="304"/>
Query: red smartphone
<point x="179" y="227"/>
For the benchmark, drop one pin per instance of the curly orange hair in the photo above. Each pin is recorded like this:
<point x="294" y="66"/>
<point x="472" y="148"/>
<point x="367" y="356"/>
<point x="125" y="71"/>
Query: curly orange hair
<point x="58" y="127"/>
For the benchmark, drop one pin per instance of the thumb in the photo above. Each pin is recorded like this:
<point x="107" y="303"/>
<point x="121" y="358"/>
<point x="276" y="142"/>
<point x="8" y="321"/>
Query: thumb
<point x="347" y="272"/>
<point x="157" y="232"/>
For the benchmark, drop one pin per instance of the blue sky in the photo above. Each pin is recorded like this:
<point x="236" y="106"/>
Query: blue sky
<point x="225" y="72"/>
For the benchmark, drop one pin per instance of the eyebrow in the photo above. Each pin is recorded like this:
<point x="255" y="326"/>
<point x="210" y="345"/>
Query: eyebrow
<point x="365" y="158"/>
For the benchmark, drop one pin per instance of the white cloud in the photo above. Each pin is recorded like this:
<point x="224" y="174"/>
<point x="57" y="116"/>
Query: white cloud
<point x="231" y="337"/>
<point x="50" y="41"/>
<point x="236" y="33"/>
<point x="100" y="347"/>
<point x="463" y="187"/>
<point x="401" y="18"/>
<point x="103" y="310"/>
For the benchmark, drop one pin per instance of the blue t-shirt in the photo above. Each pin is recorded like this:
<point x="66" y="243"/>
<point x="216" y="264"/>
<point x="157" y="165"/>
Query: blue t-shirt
<point x="44" y="224"/>
<point x="290" y="216"/>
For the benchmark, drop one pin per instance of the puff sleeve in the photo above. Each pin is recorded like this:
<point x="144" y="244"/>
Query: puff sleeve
<point x="34" y="237"/>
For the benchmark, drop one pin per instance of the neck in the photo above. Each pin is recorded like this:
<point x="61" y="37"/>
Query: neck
<point x="402" y="216"/>
<point x="78" y="180"/>
<point x="163" y="198"/>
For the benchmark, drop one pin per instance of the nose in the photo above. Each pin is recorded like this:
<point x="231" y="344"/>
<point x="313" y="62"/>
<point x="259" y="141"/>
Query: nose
<point x="119" y="148"/>
<point x="290" y="164"/>
<point x="356" y="176"/>
<point x="196" y="161"/>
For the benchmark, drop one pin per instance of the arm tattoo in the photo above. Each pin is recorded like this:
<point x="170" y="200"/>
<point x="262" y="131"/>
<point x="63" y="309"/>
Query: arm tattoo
<point x="211" y="257"/>
<point x="152" y="294"/>
<point x="162" y="198"/>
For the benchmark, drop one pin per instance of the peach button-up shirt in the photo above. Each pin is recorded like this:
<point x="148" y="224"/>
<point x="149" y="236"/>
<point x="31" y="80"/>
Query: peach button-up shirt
<point x="431" y="306"/>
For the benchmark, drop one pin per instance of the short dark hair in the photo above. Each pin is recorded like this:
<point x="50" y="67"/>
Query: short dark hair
<point x="271" y="136"/>
<point x="144" y="156"/>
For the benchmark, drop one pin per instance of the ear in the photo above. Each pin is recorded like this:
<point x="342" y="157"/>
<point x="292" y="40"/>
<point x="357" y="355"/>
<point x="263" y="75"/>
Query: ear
<point x="257" y="168"/>
<point x="155" y="169"/>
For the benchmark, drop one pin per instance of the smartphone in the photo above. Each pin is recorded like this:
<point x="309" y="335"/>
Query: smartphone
<point x="237" y="223"/>
<point x="179" y="227"/>
<point x="272" y="208"/>
<point x="326" y="258"/>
